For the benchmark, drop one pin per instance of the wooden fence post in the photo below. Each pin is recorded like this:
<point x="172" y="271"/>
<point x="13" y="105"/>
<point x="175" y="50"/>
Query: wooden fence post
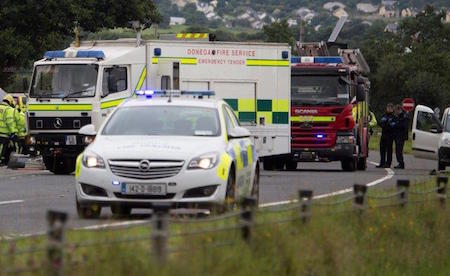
<point x="305" y="199"/>
<point x="403" y="188"/>
<point x="360" y="197"/>
<point x="248" y="208"/>
<point x="160" y="229"/>
<point x="442" y="182"/>
<point x="55" y="248"/>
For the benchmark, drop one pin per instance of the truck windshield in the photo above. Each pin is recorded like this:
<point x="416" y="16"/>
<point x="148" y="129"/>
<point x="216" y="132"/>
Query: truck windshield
<point x="319" y="90"/>
<point x="164" y="120"/>
<point x="64" y="81"/>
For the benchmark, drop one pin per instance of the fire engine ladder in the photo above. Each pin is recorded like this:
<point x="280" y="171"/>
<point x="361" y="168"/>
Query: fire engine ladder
<point x="354" y="57"/>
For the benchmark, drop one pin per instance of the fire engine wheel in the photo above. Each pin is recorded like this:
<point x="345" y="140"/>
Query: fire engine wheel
<point x="291" y="165"/>
<point x="362" y="164"/>
<point x="349" y="165"/>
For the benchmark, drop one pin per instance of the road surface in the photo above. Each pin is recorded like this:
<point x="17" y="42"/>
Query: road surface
<point x="25" y="196"/>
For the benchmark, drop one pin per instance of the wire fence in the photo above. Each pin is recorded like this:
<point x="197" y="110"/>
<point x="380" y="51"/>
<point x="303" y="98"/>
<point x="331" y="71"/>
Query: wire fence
<point x="52" y="253"/>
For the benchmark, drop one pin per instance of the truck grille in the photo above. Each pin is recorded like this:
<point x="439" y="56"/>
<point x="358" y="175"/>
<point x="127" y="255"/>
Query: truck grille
<point x="146" y="169"/>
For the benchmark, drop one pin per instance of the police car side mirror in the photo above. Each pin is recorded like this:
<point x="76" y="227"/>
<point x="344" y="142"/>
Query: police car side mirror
<point x="87" y="130"/>
<point x="238" y="132"/>
<point x="360" y="93"/>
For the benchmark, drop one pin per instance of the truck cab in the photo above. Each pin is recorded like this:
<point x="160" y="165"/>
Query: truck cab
<point x="329" y="113"/>
<point x="73" y="88"/>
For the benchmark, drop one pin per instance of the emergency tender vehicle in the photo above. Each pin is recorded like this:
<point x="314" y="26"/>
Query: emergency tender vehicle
<point x="329" y="113"/>
<point x="82" y="85"/>
<point x="431" y="137"/>
<point x="161" y="147"/>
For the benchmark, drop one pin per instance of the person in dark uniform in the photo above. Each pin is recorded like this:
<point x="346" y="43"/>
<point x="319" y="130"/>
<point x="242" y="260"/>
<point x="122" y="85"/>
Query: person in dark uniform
<point x="387" y="138"/>
<point x="400" y="128"/>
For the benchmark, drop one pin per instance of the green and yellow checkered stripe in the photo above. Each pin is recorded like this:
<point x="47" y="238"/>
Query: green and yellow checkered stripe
<point x="275" y="111"/>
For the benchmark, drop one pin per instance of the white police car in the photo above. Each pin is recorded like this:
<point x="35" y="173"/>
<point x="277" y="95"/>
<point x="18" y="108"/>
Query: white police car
<point x="154" y="148"/>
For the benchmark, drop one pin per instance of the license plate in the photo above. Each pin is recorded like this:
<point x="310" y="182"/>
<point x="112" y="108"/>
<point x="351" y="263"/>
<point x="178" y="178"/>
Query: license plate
<point x="143" y="189"/>
<point x="307" y="155"/>
<point x="71" y="140"/>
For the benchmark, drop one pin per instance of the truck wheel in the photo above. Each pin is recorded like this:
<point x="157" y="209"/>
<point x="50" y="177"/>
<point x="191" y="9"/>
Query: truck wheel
<point x="268" y="164"/>
<point x="120" y="211"/>
<point x="279" y="164"/>
<point x="441" y="166"/>
<point x="348" y="165"/>
<point x="362" y="164"/>
<point x="291" y="165"/>
<point x="88" y="211"/>
<point x="60" y="166"/>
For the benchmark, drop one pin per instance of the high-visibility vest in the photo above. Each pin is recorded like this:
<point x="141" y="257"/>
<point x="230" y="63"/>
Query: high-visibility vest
<point x="21" y="123"/>
<point x="7" y="120"/>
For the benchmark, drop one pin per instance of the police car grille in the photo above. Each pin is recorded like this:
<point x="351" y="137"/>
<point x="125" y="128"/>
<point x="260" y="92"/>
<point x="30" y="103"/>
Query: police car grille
<point x="158" y="169"/>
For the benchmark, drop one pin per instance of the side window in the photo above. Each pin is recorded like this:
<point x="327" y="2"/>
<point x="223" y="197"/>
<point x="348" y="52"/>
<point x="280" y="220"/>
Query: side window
<point x="114" y="80"/>
<point x="232" y="115"/>
<point x="228" y="121"/>
<point x="426" y="121"/>
<point x="165" y="83"/>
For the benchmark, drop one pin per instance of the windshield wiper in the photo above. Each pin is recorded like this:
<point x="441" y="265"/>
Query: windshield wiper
<point x="73" y="94"/>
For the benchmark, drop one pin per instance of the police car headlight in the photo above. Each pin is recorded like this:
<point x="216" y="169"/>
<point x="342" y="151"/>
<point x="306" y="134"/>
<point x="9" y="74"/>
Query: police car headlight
<point x="205" y="161"/>
<point x="92" y="160"/>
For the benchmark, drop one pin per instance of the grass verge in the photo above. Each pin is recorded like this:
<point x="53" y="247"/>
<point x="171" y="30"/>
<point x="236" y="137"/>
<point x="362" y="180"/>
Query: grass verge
<point x="374" y="143"/>
<point x="390" y="240"/>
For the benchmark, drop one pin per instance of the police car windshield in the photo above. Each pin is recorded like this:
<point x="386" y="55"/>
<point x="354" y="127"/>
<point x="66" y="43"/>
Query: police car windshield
<point x="164" y="121"/>
<point x="64" y="81"/>
<point x="319" y="90"/>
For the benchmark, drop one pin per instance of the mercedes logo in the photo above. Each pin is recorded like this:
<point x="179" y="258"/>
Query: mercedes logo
<point x="144" y="165"/>
<point x="58" y="123"/>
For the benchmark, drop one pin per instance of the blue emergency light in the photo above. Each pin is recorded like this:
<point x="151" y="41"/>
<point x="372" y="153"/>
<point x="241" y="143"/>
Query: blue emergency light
<point x="79" y="54"/>
<point x="175" y="93"/>
<point x="320" y="136"/>
<point x="325" y="59"/>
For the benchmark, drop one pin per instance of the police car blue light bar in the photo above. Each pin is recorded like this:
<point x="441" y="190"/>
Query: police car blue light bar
<point x="331" y="59"/>
<point x="75" y="54"/>
<point x="175" y="93"/>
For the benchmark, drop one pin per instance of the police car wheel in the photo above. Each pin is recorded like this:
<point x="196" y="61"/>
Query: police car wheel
<point x="88" y="211"/>
<point x="230" y="200"/>
<point x="120" y="211"/>
<point x="255" y="187"/>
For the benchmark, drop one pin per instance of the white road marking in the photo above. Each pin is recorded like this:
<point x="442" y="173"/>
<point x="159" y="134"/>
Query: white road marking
<point x="110" y="225"/>
<point x="11" y="202"/>
<point x="389" y="175"/>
